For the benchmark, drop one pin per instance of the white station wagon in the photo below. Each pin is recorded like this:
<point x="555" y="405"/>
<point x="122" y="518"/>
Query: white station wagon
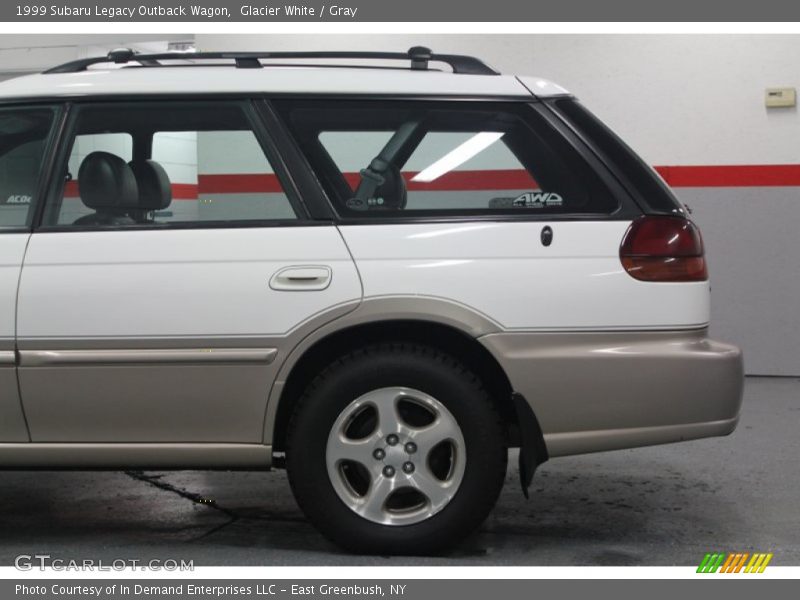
<point x="378" y="277"/>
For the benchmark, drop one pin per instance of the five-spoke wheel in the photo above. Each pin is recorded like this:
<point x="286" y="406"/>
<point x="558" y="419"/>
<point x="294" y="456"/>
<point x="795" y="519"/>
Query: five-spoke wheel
<point x="396" y="448"/>
<point x="396" y="456"/>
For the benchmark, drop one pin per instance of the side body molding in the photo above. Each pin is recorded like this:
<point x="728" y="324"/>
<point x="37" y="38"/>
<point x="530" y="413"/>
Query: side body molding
<point x="40" y="358"/>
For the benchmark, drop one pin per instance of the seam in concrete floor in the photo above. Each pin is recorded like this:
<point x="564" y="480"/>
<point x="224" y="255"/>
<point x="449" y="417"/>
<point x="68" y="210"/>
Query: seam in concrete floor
<point x="156" y="481"/>
<point x="233" y="516"/>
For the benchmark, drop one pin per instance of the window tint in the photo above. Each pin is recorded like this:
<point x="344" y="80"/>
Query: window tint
<point x="163" y="163"/>
<point x="23" y="136"/>
<point x="418" y="158"/>
<point x="648" y="187"/>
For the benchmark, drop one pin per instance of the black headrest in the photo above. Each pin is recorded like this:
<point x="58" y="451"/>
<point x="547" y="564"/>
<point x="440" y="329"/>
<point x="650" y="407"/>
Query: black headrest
<point x="106" y="182"/>
<point x="155" y="190"/>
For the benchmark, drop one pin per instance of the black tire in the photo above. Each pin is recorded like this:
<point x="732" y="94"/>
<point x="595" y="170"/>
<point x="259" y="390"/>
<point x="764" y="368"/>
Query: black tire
<point x="409" y="365"/>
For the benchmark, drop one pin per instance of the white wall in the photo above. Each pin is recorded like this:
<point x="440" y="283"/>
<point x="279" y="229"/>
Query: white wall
<point x="678" y="100"/>
<point x="22" y="54"/>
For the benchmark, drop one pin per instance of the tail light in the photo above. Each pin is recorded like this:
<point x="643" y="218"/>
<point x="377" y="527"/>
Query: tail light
<point x="663" y="249"/>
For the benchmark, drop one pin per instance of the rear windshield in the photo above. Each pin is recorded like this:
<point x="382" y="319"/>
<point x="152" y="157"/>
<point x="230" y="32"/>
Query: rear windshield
<point x="394" y="159"/>
<point x="648" y="189"/>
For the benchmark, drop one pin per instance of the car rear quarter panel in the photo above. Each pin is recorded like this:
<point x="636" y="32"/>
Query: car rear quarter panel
<point x="503" y="271"/>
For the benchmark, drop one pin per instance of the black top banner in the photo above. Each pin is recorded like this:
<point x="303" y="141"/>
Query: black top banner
<point x="400" y="10"/>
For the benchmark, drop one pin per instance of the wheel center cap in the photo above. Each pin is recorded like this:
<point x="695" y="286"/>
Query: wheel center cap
<point x="395" y="455"/>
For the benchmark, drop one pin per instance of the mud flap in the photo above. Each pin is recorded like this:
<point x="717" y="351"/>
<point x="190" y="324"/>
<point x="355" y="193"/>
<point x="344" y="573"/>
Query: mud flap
<point x="532" y="451"/>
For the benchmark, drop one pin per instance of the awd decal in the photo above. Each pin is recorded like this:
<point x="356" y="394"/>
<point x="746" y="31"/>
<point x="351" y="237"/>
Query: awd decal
<point x="538" y="200"/>
<point x="734" y="562"/>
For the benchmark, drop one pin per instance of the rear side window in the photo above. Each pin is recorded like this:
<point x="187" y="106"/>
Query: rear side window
<point x="164" y="163"/>
<point x="219" y="175"/>
<point x="23" y="137"/>
<point x="643" y="182"/>
<point x="426" y="158"/>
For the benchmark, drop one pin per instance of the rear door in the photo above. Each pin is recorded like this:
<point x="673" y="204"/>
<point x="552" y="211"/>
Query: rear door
<point x="24" y="134"/>
<point x="162" y="316"/>
<point x="493" y="206"/>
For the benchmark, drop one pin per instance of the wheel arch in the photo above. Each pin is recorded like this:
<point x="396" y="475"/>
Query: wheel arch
<point x="462" y="345"/>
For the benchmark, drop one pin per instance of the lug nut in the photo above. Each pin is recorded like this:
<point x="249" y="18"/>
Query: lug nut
<point x="379" y="454"/>
<point x="388" y="471"/>
<point x="408" y="467"/>
<point x="411" y="447"/>
<point x="392" y="439"/>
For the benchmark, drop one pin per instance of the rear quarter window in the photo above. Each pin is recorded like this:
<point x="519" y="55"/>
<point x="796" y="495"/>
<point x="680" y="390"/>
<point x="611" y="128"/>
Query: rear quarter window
<point x="649" y="190"/>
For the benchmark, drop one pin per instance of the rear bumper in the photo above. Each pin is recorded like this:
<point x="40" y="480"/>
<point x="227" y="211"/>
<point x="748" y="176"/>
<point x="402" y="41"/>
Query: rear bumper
<point x="606" y="391"/>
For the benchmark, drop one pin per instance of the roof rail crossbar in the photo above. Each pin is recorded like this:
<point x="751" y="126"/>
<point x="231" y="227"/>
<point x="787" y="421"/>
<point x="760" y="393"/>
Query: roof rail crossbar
<point x="418" y="55"/>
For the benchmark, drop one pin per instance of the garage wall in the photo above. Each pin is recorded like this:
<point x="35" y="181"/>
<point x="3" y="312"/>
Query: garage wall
<point x="688" y="104"/>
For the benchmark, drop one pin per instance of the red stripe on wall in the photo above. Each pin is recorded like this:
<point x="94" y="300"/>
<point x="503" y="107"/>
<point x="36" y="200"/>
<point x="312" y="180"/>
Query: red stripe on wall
<point x="180" y="191"/>
<point x="731" y="175"/>
<point x="184" y="191"/>
<point x="238" y="184"/>
<point x="496" y="179"/>
<point x="518" y="179"/>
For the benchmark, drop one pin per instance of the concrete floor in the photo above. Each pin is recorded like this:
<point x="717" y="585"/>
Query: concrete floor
<point x="665" y="505"/>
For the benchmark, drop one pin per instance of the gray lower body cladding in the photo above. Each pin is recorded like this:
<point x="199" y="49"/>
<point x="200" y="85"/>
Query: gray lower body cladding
<point x="612" y="390"/>
<point x="141" y="405"/>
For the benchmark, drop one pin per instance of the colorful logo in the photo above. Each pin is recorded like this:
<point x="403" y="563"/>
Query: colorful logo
<point x="734" y="562"/>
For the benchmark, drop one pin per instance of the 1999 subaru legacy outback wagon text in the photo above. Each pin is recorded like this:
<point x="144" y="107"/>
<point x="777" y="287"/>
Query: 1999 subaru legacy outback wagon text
<point x="381" y="278"/>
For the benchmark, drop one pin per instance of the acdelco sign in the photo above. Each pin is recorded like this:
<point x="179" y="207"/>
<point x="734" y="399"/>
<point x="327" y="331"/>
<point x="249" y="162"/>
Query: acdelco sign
<point x="17" y="199"/>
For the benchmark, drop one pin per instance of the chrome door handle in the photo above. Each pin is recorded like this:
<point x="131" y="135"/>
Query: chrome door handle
<point x="301" y="278"/>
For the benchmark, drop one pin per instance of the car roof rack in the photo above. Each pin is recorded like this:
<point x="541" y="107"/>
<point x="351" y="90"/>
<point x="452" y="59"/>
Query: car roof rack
<point x="418" y="55"/>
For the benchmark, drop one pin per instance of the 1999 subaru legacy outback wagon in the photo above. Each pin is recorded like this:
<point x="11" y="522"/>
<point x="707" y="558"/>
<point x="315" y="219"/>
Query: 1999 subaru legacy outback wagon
<point x="381" y="278"/>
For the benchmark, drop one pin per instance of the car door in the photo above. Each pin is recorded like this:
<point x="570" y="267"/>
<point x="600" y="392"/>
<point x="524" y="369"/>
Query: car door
<point x="24" y="134"/>
<point x="171" y="267"/>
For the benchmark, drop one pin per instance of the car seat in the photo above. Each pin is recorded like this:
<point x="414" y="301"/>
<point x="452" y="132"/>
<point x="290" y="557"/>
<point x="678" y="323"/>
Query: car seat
<point x="155" y="189"/>
<point x="107" y="185"/>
